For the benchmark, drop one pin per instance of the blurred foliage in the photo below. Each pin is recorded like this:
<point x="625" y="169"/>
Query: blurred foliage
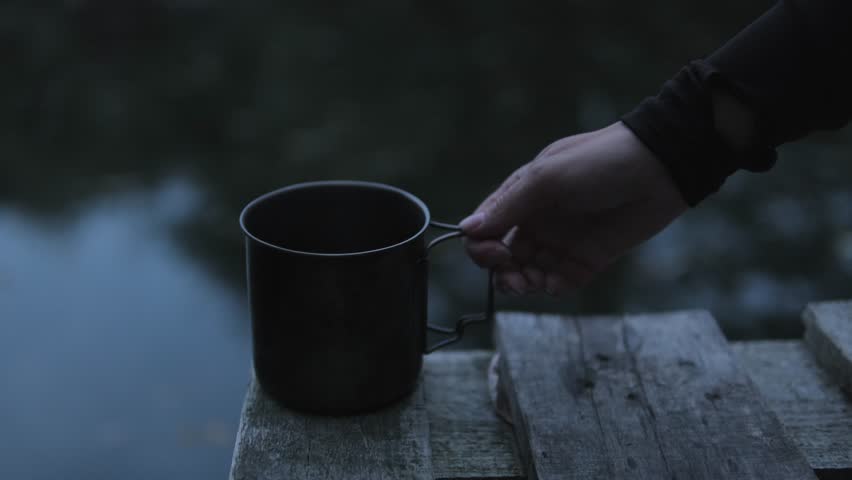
<point x="441" y="98"/>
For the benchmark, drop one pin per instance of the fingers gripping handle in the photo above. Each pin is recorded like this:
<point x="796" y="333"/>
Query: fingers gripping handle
<point x="457" y="331"/>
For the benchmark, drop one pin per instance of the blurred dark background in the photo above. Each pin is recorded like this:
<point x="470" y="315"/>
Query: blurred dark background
<point x="133" y="132"/>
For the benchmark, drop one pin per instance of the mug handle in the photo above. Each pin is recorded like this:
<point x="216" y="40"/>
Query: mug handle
<point x="458" y="331"/>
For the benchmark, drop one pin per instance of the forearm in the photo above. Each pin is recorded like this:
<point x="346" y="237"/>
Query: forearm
<point x="781" y="78"/>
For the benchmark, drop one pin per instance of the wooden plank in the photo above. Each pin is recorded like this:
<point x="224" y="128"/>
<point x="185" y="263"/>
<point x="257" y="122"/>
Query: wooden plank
<point x="540" y="369"/>
<point x="828" y="333"/>
<point x="275" y="443"/>
<point x="813" y="410"/>
<point x="467" y="439"/>
<point x="646" y="396"/>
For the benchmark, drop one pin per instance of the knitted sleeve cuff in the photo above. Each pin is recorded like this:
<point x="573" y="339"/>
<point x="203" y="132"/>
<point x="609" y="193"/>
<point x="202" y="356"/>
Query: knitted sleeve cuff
<point x="678" y="125"/>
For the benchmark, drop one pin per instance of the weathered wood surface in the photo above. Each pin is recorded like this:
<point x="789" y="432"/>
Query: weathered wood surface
<point x="467" y="439"/>
<point x="812" y="408"/>
<point x="275" y="443"/>
<point x="646" y="396"/>
<point x="828" y="333"/>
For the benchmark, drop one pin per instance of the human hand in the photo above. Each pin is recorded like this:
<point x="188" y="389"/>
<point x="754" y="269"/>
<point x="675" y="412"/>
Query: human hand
<point x="580" y="204"/>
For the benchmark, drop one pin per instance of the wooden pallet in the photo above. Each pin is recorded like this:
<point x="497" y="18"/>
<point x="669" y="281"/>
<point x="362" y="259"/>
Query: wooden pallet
<point x="648" y="396"/>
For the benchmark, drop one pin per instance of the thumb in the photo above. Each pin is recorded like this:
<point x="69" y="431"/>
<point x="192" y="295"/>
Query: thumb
<point x="509" y="205"/>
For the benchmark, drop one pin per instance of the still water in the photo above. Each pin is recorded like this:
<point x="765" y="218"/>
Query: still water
<point x="120" y="356"/>
<point x="132" y="133"/>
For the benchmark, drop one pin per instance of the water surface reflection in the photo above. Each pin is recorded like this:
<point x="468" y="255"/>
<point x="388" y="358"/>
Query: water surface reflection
<point x="120" y="356"/>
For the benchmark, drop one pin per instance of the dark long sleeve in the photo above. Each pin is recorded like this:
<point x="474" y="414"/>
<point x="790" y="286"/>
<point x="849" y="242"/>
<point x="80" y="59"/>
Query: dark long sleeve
<point x="791" y="68"/>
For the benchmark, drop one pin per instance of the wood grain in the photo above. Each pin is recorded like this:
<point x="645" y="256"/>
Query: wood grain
<point x="828" y="333"/>
<point x="648" y="396"/>
<point x="276" y="443"/>
<point x="468" y="440"/>
<point x="812" y="408"/>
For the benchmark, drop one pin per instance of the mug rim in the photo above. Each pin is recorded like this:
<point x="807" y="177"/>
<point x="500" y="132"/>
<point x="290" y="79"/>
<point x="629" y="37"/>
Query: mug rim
<point x="335" y="183"/>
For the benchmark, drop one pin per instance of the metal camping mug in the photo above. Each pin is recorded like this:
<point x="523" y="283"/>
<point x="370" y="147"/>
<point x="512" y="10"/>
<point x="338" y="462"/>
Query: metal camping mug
<point x="337" y="288"/>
